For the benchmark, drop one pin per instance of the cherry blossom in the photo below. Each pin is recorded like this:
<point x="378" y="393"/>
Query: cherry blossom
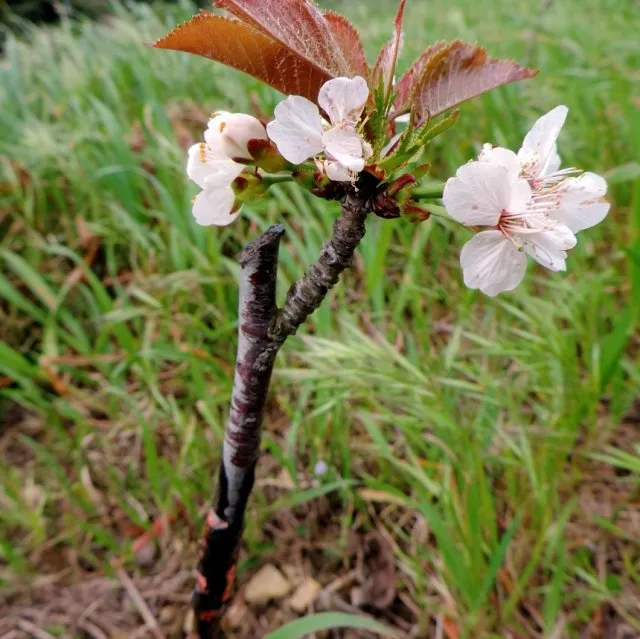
<point x="231" y="132"/>
<point x="529" y="204"/>
<point x="214" y="173"/>
<point x="211" y="167"/>
<point x="300" y="132"/>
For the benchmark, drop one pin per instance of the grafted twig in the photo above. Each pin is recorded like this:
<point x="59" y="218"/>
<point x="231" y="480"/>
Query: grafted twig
<point x="254" y="362"/>
<point x="262" y="330"/>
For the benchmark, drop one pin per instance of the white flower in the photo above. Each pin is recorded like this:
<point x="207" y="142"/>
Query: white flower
<point x="530" y="206"/>
<point x="214" y="173"/>
<point x="231" y="132"/>
<point x="211" y="167"/>
<point x="301" y="133"/>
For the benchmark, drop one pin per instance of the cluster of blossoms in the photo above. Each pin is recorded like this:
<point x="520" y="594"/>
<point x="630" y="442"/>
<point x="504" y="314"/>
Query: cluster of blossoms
<point x="528" y="205"/>
<point x="299" y="132"/>
<point x="215" y="164"/>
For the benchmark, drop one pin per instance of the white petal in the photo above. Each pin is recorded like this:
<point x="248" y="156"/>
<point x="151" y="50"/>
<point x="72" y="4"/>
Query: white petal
<point x="214" y="207"/>
<point x="224" y="173"/>
<point x="479" y="193"/>
<point x="491" y="263"/>
<point x="549" y="248"/>
<point x="581" y="202"/>
<point x="337" y="172"/>
<point x="198" y="169"/>
<point x="212" y="134"/>
<point x="542" y="141"/>
<point x="520" y="196"/>
<point x="297" y="129"/>
<point x="343" y="98"/>
<point x="501" y="157"/>
<point x="208" y="169"/>
<point x="229" y="133"/>
<point x="521" y="191"/>
<point x="343" y="143"/>
<point x="553" y="162"/>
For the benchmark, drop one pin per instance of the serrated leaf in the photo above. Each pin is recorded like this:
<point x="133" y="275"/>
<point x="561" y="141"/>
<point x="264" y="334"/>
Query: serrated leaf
<point x="246" y="49"/>
<point x="385" y="65"/>
<point x="456" y="72"/>
<point x="407" y="85"/>
<point x="348" y="39"/>
<point x="296" y="24"/>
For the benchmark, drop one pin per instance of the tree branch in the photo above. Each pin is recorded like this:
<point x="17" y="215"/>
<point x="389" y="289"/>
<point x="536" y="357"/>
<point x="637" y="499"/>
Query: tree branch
<point x="254" y="363"/>
<point x="262" y="330"/>
<point x="306" y="295"/>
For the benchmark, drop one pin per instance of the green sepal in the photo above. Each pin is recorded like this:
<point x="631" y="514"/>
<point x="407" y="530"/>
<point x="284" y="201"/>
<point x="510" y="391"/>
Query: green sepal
<point x="265" y="155"/>
<point x="249" y="186"/>
<point x="415" y="214"/>
<point x="427" y="132"/>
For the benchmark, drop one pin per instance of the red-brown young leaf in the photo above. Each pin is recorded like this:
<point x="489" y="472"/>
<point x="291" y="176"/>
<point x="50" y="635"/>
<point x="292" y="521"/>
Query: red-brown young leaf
<point x="406" y="86"/>
<point x="242" y="47"/>
<point x="348" y="38"/>
<point x="385" y="65"/>
<point x="458" y="72"/>
<point x="298" y="25"/>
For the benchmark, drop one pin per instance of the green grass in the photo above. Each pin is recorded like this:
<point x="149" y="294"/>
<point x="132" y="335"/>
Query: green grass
<point x="475" y="431"/>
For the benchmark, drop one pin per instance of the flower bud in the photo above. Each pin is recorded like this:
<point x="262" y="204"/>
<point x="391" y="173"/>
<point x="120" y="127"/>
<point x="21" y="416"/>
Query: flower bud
<point x="230" y="133"/>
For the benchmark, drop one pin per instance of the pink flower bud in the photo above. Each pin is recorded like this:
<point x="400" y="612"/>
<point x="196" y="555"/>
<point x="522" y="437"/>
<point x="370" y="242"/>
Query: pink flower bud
<point x="231" y="132"/>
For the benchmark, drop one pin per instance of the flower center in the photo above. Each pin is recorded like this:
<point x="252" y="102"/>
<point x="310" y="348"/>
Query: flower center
<point x="533" y="219"/>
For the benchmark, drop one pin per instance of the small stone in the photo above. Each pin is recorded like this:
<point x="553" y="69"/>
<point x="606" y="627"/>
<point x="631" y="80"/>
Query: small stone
<point x="305" y="595"/>
<point x="293" y="574"/>
<point x="267" y="584"/>
<point x="236" y="615"/>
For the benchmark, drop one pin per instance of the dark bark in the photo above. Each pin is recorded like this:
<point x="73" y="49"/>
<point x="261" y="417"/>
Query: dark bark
<point x="307" y="293"/>
<point x="254" y="363"/>
<point x="261" y="332"/>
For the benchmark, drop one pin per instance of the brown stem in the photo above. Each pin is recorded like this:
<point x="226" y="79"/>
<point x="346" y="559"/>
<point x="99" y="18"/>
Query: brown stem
<point x="262" y="330"/>
<point x="306" y="295"/>
<point x="254" y="362"/>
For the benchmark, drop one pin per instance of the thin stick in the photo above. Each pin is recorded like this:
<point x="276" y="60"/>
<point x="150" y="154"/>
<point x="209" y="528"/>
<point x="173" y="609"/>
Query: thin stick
<point x="140" y="604"/>
<point x="262" y="329"/>
<point x="33" y="630"/>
